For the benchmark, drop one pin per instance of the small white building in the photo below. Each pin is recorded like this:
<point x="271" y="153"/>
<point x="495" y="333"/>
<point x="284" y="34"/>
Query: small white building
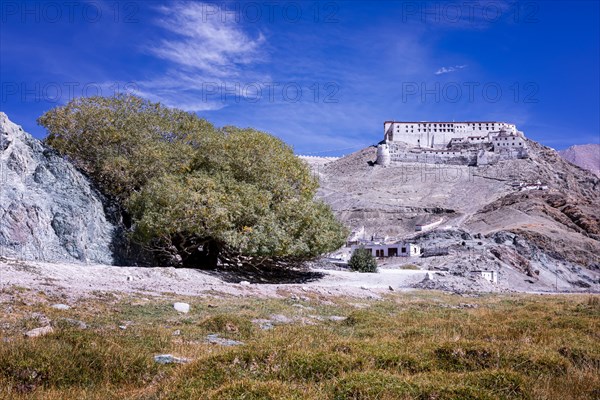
<point x="490" y="276"/>
<point x="380" y="250"/>
<point x="508" y="141"/>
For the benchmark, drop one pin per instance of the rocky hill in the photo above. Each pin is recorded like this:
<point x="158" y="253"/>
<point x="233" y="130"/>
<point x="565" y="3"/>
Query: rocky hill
<point x="586" y="156"/>
<point x="536" y="221"/>
<point x="49" y="211"/>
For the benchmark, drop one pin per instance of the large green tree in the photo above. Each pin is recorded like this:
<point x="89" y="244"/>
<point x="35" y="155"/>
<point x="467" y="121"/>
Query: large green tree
<point x="196" y="194"/>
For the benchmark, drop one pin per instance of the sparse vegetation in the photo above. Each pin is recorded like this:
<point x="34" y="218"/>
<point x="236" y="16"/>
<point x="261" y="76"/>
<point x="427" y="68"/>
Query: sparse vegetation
<point x="362" y="261"/>
<point x="417" y="346"/>
<point x="410" y="267"/>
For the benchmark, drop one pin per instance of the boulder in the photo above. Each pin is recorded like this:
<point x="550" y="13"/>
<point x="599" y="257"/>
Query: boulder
<point x="49" y="210"/>
<point x="44" y="330"/>
<point x="182" y="307"/>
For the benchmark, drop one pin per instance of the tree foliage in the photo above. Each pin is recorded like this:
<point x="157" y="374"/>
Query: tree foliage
<point x="362" y="261"/>
<point x="195" y="192"/>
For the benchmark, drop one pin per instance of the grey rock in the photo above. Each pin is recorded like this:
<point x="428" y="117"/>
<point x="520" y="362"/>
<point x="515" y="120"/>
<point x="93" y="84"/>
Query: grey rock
<point x="281" y="319"/>
<point x="50" y="211"/>
<point x="41" y="319"/>
<point x="182" y="307"/>
<point x="264" y="324"/>
<point x="337" y="318"/>
<point x="169" y="359"/>
<point x="215" y="339"/>
<point x="44" y="330"/>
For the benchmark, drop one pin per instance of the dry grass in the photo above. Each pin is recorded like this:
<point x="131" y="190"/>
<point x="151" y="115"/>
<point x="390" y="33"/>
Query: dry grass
<point x="409" y="346"/>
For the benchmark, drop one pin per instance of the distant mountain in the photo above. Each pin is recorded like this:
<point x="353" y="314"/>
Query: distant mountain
<point x="586" y="156"/>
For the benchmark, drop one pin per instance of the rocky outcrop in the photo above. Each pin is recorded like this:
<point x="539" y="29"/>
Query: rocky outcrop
<point x="49" y="211"/>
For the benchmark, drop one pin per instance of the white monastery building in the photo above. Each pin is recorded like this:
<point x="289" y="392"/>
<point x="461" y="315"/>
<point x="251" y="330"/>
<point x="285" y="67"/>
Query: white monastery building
<point x="462" y="143"/>
<point x="439" y="134"/>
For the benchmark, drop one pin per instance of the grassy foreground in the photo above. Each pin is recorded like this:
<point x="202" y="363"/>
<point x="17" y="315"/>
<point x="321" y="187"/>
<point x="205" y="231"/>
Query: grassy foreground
<point x="420" y="345"/>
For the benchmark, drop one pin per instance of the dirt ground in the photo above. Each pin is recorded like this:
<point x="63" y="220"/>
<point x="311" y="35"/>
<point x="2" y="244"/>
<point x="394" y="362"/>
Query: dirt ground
<point x="79" y="280"/>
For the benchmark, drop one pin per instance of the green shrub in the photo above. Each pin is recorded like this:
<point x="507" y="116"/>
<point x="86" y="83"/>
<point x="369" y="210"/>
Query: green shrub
<point x="362" y="261"/>
<point x="195" y="193"/>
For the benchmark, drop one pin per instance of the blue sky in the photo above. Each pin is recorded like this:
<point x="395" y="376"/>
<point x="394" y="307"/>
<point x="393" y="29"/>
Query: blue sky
<point x="321" y="75"/>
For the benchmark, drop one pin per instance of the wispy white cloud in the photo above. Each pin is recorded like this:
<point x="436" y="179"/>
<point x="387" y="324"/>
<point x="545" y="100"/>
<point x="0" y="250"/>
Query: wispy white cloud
<point x="206" y="57"/>
<point x="447" y="70"/>
<point x="205" y="42"/>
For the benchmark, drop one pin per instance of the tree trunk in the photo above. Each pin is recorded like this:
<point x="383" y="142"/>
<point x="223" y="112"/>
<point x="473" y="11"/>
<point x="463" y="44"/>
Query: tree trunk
<point x="205" y="256"/>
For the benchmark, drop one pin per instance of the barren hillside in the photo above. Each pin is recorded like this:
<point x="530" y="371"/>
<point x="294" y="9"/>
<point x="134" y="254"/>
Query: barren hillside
<point x="536" y="218"/>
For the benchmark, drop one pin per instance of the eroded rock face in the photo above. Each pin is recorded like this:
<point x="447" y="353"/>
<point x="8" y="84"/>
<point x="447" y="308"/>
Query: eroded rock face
<point x="49" y="211"/>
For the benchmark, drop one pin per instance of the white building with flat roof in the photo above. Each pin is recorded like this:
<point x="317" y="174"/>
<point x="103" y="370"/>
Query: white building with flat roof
<point x="470" y="143"/>
<point x="439" y="134"/>
<point x="380" y="250"/>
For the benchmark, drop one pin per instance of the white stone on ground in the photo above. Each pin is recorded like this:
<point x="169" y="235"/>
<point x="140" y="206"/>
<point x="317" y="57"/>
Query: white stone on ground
<point x="39" y="331"/>
<point x="182" y="307"/>
<point x="215" y="339"/>
<point x="169" y="359"/>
